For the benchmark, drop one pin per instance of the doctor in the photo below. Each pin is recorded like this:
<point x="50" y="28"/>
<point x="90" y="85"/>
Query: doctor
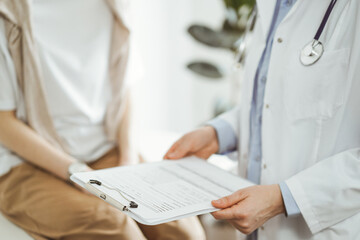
<point x="297" y="131"/>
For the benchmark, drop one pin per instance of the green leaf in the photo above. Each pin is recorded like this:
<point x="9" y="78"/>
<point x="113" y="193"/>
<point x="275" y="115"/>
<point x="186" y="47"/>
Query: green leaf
<point x="237" y="4"/>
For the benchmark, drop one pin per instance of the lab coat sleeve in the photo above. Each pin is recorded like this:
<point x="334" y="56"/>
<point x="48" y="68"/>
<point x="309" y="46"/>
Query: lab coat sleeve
<point x="227" y="129"/>
<point x="328" y="192"/>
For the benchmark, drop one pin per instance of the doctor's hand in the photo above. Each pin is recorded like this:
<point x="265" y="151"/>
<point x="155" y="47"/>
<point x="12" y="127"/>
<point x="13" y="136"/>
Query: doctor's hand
<point x="249" y="208"/>
<point x="201" y="143"/>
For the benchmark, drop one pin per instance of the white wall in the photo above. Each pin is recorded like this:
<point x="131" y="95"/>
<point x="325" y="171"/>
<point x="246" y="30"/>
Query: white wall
<point x="169" y="97"/>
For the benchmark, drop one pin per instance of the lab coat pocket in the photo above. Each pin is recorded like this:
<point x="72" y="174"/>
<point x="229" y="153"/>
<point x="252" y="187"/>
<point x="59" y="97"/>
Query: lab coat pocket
<point x="319" y="90"/>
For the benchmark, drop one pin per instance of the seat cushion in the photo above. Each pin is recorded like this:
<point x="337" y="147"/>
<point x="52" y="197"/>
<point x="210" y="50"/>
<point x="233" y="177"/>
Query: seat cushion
<point x="9" y="230"/>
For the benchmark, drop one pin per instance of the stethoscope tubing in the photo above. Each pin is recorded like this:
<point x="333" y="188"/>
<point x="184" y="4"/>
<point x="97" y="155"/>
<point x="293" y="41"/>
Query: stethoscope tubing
<point x="325" y="20"/>
<point x="316" y="41"/>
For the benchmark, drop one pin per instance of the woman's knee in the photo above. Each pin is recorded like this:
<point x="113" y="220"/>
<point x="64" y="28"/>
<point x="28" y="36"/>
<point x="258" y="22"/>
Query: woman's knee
<point x="191" y="229"/>
<point x="184" y="229"/>
<point x="105" y="222"/>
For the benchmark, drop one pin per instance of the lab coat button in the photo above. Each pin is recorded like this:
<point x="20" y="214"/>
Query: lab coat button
<point x="262" y="228"/>
<point x="280" y="40"/>
<point x="264" y="166"/>
<point x="267" y="106"/>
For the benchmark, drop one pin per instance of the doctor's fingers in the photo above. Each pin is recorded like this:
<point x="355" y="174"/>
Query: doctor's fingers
<point x="232" y="213"/>
<point x="179" y="149"/>
<point x="230" y="200"/>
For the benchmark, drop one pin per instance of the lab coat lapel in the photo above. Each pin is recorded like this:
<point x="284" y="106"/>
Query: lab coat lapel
<point x="266" y="11"/>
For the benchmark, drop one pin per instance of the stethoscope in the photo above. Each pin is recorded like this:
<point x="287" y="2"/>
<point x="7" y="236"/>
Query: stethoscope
<point x="309" y="55"/>
<point x="313" y="51"/>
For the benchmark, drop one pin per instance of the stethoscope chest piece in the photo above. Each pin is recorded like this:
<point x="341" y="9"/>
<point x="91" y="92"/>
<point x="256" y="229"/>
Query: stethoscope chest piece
<point x="311" y="53"/>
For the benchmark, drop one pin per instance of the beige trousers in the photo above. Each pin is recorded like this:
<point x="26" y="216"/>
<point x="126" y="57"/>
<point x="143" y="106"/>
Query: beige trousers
<point x="49" y="208"/>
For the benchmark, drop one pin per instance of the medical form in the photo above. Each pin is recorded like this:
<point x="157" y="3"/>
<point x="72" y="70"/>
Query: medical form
<point x="163" y="191"/>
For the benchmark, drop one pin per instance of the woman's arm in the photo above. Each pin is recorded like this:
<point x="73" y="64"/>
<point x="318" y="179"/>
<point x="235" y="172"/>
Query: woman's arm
<point x="25" y="142"/>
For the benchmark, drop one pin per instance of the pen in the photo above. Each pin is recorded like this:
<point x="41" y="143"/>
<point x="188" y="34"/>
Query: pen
<point x="105" y="197"/>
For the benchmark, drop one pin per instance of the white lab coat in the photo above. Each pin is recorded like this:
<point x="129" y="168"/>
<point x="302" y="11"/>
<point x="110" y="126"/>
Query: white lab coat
<point x="311" y="119"/>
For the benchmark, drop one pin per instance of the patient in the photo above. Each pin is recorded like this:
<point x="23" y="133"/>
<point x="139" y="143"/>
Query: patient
<point x="64" y="109"/>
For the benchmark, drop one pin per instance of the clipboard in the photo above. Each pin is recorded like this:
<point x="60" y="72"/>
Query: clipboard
<point x="138" y="190"/>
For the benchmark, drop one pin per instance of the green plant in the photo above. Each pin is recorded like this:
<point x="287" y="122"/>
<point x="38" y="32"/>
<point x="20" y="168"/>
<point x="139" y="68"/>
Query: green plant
<point x="228" y="37"/>
<point x="237" y="4"/>
<point x="233" y="27"/>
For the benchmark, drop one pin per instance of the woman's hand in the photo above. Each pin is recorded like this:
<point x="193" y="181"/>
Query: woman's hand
<point x="201" y="143"/>
<point x="85" y="168"/>
<point x="249" y="208"/>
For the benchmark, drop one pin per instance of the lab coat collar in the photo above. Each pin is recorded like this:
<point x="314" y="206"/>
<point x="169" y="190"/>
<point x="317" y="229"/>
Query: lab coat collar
<point x="265" y="14"/>
<point x="266" y="10"/>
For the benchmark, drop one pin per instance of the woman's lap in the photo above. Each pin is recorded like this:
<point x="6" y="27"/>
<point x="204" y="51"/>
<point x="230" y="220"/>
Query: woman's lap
<point x="46" y="206"/>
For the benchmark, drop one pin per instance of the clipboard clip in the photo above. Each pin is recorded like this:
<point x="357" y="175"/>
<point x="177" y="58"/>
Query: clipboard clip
<point x="132" y="204"/>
